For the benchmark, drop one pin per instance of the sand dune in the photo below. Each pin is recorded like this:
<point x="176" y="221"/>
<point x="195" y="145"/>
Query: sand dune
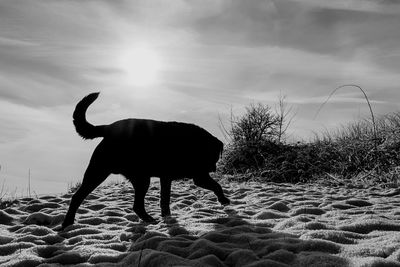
<point x="266" y="225"/>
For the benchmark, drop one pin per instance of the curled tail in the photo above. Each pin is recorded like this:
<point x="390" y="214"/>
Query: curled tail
<point x="82" y="126"/>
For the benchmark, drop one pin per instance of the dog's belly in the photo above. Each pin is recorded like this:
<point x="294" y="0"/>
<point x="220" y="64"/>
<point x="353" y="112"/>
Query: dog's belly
<point x="155" y="157"/>
<point x="156" y="164"/>
<point x="158" y="167"/>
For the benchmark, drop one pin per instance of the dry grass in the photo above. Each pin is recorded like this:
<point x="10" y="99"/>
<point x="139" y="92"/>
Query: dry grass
<point x="365" y="151"/>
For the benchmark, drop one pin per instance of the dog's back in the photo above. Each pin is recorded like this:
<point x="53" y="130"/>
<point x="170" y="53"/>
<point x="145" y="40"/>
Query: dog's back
<point x="171" y="148"/>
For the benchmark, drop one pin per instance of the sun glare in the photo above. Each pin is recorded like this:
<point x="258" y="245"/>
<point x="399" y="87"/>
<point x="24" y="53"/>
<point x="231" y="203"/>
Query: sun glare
<point x="142" y="64"/>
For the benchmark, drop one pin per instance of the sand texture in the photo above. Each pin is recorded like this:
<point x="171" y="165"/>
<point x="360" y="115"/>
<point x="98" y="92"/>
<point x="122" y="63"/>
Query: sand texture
<point x="266" y="225"/>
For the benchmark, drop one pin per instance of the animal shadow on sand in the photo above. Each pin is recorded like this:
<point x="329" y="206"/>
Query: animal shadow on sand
<point x="140" y="149"/>
<point x="231" y="241"/>
<point x="199" y="232"/>
<point x="226" y="239"/>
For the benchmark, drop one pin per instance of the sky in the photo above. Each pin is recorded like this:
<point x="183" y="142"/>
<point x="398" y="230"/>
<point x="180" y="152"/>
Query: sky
<point x="190" y="61"/>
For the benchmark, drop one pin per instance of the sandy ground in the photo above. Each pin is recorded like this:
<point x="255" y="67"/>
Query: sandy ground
<point x="266" y="225"/>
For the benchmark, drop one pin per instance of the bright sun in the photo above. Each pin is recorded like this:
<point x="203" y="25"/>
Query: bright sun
<point x="142" y="64"/>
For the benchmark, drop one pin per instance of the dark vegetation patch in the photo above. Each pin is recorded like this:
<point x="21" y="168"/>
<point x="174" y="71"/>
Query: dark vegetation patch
<point x="361" y="153"/>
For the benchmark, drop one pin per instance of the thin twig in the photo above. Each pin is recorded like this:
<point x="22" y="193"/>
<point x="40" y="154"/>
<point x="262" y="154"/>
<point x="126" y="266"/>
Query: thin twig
<point x="369" y="105"/>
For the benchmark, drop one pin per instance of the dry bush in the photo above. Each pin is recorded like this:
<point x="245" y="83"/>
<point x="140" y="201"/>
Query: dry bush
<point x="365" y="150"/>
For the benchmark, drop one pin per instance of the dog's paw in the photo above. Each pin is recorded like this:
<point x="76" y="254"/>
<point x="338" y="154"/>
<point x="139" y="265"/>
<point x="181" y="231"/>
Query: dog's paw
<point x="148" y="219"/>
<point x="224" y="201"/>
<point x="169" y="219"/>
<point x="166" y="213"/>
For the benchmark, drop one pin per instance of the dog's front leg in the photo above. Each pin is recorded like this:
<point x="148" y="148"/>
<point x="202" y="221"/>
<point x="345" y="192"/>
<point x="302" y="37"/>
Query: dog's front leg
<point x="165" y="196"/>
<point x="141" y="185"/>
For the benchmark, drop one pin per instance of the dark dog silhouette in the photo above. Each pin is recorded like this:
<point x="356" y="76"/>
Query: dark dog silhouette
<point x="140" y="149"/>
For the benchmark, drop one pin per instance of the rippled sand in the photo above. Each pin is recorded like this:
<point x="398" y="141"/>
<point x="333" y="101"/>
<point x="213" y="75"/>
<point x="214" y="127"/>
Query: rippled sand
<point x="266" y="225"/>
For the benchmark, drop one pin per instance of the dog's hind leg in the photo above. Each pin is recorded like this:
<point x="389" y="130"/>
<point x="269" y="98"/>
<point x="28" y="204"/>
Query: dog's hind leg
<point x="95" y="174"/>
<point x="206" y="182"/>
<point x="141" y="185"/>
<point x="165" y="196"/>
<point x="91" y="180"/>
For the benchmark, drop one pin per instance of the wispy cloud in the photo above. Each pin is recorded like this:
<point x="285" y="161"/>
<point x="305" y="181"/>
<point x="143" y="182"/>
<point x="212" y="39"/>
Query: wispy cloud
<point x="373" y="6"/>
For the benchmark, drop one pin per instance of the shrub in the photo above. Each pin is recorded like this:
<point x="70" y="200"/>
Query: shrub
<point x="253" y="138"/>
<point x="348" y="152"/>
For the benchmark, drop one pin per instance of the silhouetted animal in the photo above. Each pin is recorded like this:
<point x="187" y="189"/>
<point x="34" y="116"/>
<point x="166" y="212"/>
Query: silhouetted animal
<point x="139" y="149"/>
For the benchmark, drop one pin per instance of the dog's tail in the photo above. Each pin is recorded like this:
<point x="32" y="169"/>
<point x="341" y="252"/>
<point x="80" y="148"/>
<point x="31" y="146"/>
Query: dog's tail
<point x="82" y="126"/>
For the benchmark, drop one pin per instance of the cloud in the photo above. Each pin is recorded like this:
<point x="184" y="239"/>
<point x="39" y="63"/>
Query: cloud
<point x="41" y="139"/>
<point x="326" y="27"/>
<point x="372" y="6"/>
<point x="45" y="51"/>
